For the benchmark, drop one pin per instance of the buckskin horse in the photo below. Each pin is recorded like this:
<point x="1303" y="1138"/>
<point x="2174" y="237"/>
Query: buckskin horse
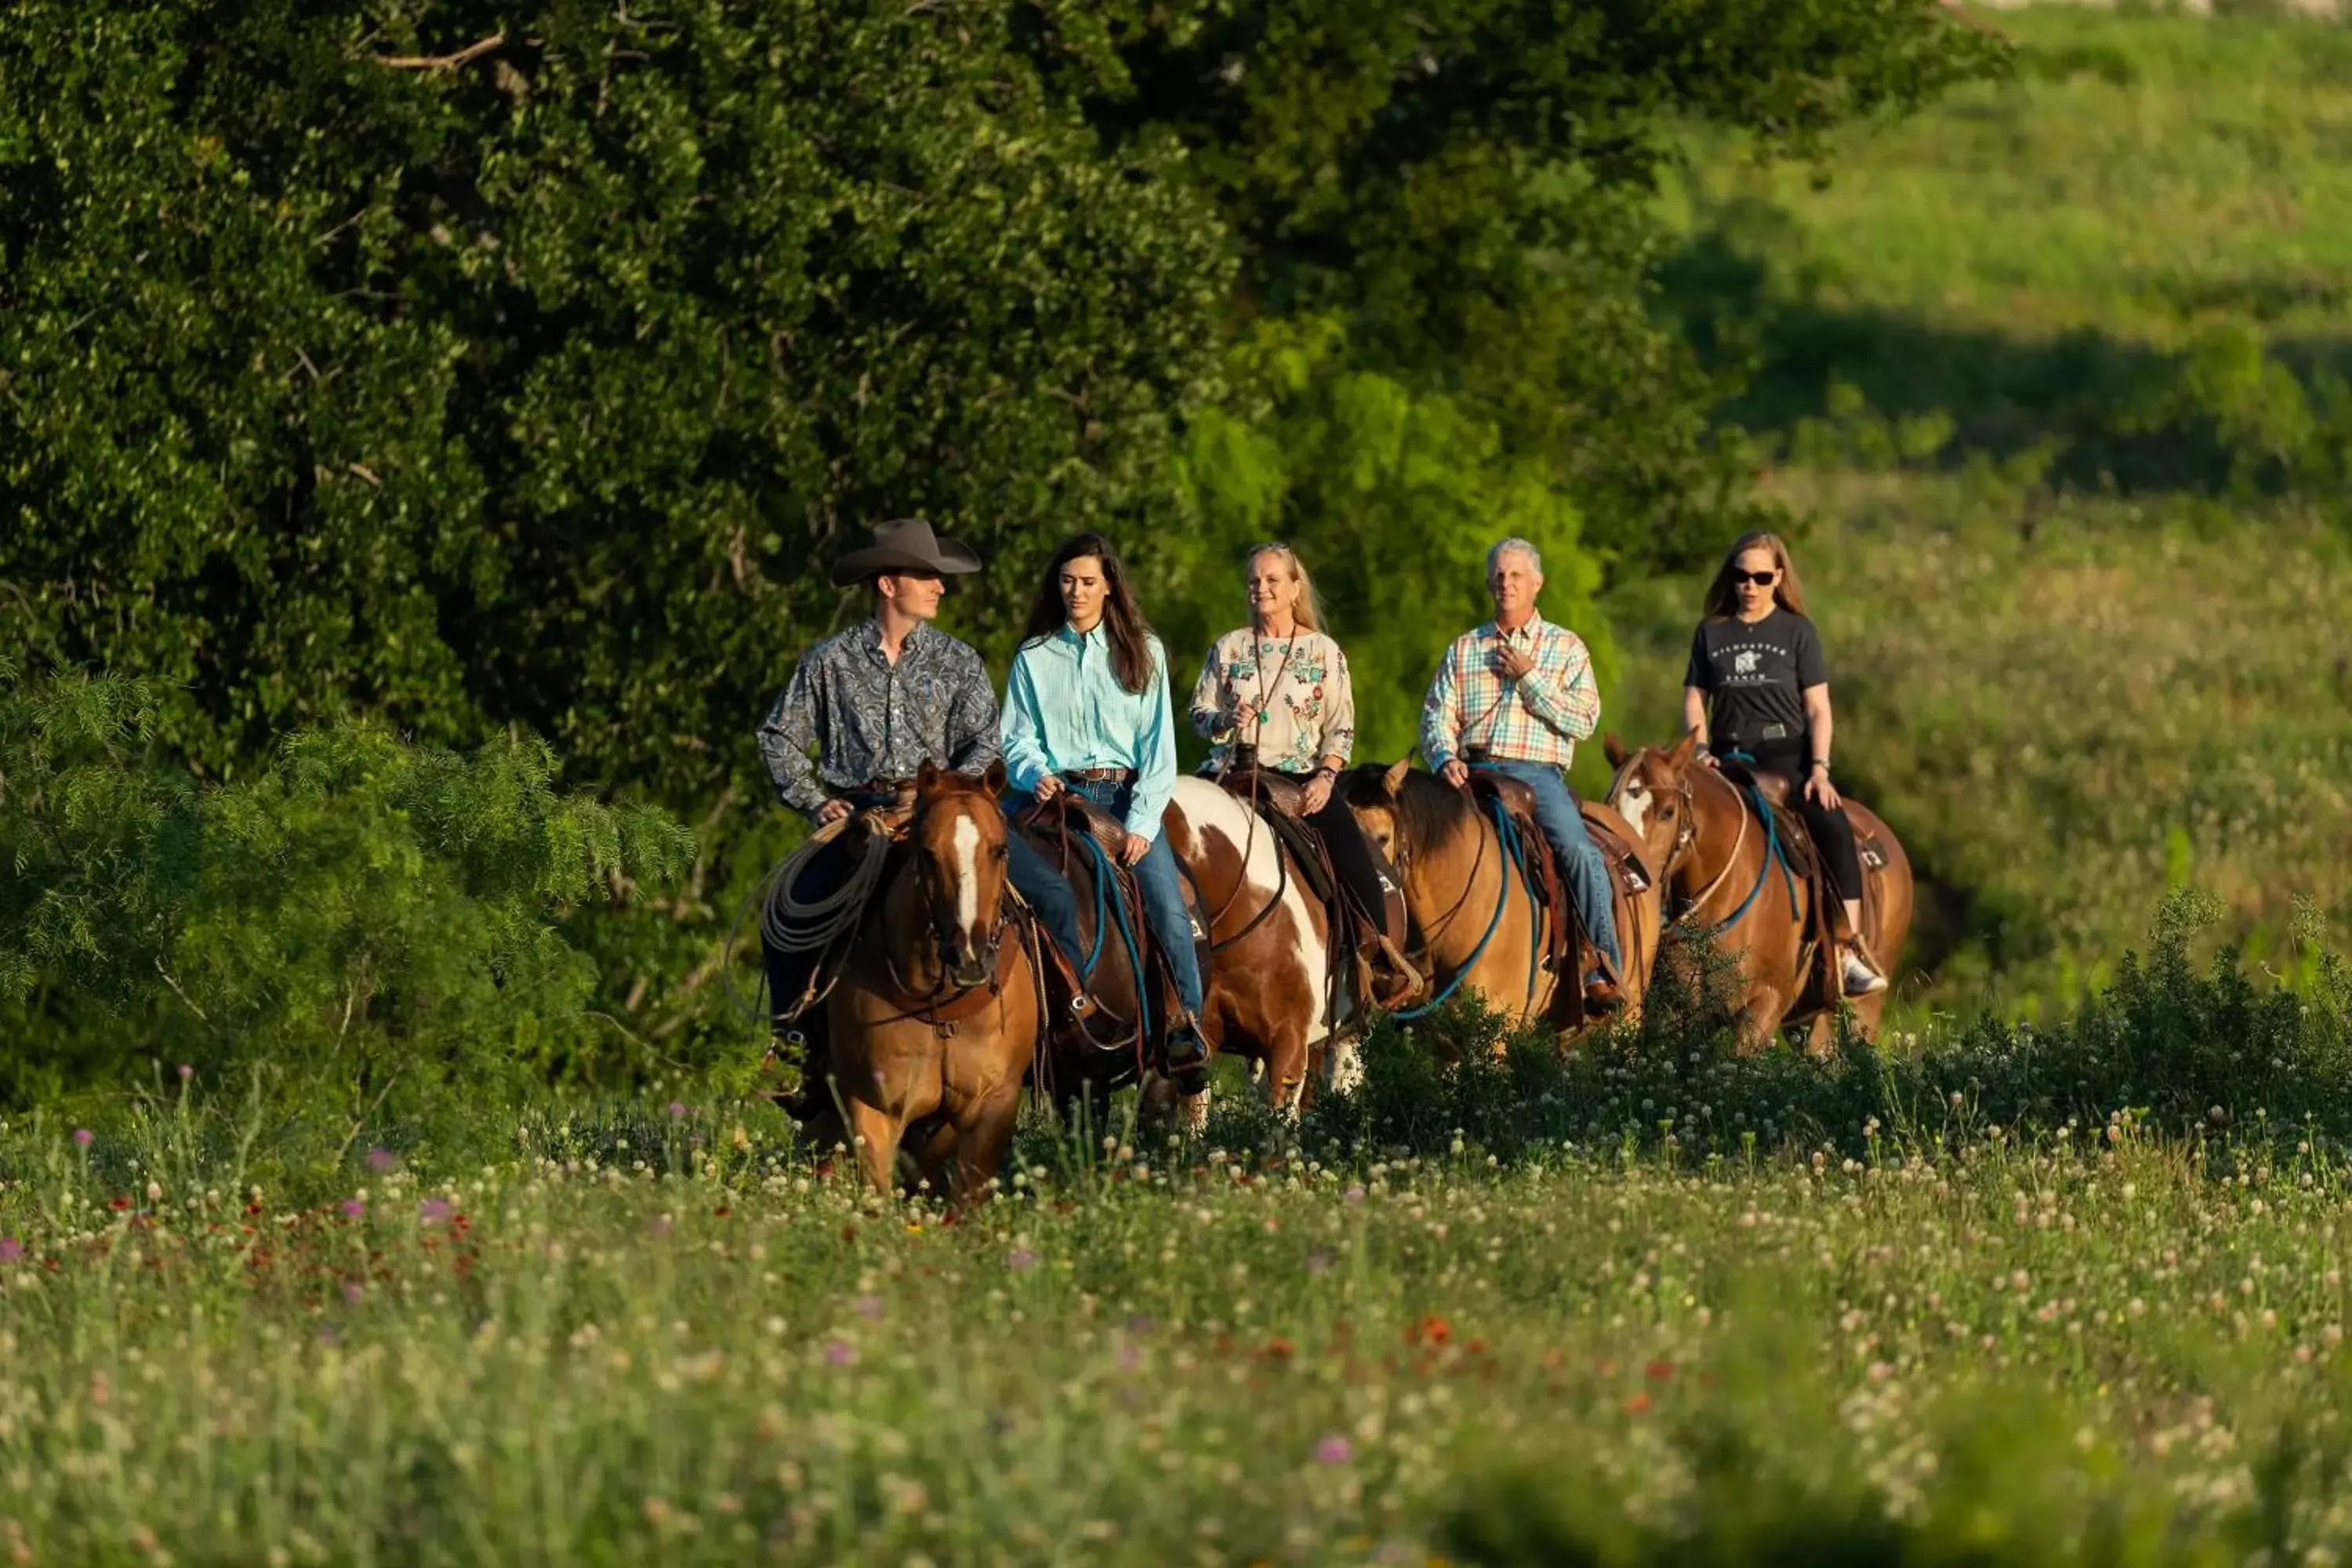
<point x="936" y="1015"/>
<point x="1477" y="924"/>
<point x="1735" y="882"/>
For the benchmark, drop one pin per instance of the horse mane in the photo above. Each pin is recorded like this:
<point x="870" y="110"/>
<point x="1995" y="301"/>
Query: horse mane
<point x="1428" y="813"/>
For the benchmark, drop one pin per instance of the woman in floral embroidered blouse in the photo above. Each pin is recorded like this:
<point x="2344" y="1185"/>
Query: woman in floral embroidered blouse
<point x="1277" y="690"/>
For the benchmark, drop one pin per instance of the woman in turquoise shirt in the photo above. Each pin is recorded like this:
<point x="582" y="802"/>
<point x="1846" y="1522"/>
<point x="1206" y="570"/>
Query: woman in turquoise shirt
<point x="1086" y="710"/>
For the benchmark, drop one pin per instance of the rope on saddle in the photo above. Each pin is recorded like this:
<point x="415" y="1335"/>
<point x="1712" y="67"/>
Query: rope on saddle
<point x="826" y="926"/>
<point x="1515" y="860"/>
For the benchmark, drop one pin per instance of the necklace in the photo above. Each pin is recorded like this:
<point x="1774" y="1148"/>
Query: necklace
<point x="1267" y="684"/>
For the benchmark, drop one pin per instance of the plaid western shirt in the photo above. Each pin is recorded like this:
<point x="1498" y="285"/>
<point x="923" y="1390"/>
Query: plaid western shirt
<point x="1535" y="719"/>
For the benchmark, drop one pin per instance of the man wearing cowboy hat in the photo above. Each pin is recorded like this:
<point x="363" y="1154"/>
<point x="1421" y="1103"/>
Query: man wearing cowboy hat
<point x="877" y="702"/>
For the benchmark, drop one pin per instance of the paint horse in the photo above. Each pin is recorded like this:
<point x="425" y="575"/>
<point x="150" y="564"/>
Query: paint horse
<point x="937" y="1014"/>
<point x="1478" y="924"/>
<point x="1275" y="997"/>
<point x="1729" y="867"/>
<point x="1267" y="995"/>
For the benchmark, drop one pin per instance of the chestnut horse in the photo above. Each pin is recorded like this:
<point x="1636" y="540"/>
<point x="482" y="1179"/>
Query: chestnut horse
<point x="1718" y="864"/>
<point x="936" y="1018"/>
<point x="1475" y="924"/>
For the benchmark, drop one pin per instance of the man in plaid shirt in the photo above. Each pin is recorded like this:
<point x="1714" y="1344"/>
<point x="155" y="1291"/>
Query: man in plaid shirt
<point x="1514" y="698"/>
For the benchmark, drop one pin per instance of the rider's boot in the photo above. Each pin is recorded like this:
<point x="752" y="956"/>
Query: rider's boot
<point x="1860" y="976"/>
<point x="1188" y="1056"/>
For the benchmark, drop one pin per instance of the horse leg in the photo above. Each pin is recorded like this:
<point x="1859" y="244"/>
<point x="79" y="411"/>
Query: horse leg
<point x="982" y="1143"/>
<point x="1285" y="1071"/>
<point x="878" y="1133"/>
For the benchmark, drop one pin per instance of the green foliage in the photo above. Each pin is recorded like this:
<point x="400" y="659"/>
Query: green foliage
<point x="1467" y="184"/>
<point x="1392" y="499"/>
<point x="526" y="389"/>
<point x="362" y="910"/>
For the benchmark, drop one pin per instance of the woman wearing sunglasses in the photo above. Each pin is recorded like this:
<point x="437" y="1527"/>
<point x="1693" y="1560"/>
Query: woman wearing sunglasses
<point x="1757" y="685"/>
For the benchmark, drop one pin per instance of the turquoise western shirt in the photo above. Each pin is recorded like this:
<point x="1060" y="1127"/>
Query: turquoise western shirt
<point x="1064" y="710"/>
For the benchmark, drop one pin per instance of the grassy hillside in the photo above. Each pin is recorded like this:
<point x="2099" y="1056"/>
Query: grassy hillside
<point x="2049" y="368"/>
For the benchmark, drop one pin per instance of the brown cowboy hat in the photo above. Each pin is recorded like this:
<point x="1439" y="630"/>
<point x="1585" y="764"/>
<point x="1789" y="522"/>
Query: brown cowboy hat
<point x="905" y="545"/>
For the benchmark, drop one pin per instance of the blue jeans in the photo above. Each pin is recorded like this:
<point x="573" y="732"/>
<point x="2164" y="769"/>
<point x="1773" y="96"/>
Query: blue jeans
<point x="1047" y="892"/>
<point x="1579" y="857"/>
<point x="1161" y="885"/>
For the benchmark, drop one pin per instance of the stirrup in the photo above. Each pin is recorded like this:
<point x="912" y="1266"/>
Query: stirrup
<point x="1856" y="975"/>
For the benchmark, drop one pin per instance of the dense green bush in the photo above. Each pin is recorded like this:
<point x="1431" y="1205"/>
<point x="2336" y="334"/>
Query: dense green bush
<point x="363" y="913"/>
<point x="2201" y="1054"/>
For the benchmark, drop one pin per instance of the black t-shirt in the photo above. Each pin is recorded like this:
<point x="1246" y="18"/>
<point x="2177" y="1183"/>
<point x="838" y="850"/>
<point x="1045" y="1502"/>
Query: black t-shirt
<point x="1755" y="677"/>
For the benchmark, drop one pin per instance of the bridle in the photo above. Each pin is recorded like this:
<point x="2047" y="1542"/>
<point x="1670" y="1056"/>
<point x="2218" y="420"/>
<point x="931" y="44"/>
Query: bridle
<point x="946" y="1004"/>
<point x="1686" y="839"/>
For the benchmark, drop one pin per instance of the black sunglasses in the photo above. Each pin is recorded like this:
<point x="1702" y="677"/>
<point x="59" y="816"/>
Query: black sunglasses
<point x="1761" y="579"/>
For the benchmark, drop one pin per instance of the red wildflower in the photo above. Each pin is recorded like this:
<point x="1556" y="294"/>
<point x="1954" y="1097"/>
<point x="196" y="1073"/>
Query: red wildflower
<point x="1638" y="1405"/>
<point x="722" y="1211"/>
<point x="1431" y="1330"/>
<point x="1658" y="1371"/>
<point x="119" y="1205"/>
<point x="1276" y="1349"/>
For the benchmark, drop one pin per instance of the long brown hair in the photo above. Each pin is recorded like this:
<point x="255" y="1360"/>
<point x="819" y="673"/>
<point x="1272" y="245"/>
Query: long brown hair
<point x="1309" y="611"/>
<point x="1723" y="598"/>
<point x="1123" y="624"/>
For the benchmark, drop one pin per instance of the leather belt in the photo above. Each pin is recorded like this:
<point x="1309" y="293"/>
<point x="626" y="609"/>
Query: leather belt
<point x="1099" y="775"/>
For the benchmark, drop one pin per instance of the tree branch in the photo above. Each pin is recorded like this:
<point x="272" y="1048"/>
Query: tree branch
<point x="463" y="56"/>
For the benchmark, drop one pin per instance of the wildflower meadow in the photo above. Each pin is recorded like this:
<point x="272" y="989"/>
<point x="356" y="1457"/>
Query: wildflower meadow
<point x="1521" y="1328"/>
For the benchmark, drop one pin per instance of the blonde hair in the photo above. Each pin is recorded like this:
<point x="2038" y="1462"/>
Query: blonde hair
<point x="1309" y="611"/>
<point x="1722" y="599"/>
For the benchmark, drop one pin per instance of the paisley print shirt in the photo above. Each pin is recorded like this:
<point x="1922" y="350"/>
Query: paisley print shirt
<point x="873" y="720"/>
<point x="1288" y="697"/>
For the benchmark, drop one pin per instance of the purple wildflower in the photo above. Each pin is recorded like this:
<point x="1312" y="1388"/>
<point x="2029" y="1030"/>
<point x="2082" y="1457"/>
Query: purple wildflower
<point x="869" y="1307"/>
<point x="434" y="1210"/>
<point x="841" y="1353"/>
<point x="1333" y="1450"/>
<point x="354" y="1208"/>
<point x="1318" y="1263"/>
<point x="380" y="1160"/>
<point x="1022" y="1259"/>
<point x="187" y="1072"/>
<point x="675" y="1110"/>
<point x="11" y="1249"/>
<point x="82" y="1136"/>
<point x="354" y="1293"/>
<point x="1355" y="1195"/>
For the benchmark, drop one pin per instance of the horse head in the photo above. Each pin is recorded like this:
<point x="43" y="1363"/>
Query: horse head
<point x="1652" y="791"/>
<point x="956" y="838"/>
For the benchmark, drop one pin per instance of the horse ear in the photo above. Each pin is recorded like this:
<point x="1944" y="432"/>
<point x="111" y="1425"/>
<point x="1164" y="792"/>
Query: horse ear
<point x="926" y="776"/>
<point x="1685" y="749"/>
<point x="992" y="780"/>
<point x="1614" y="749"/>
<point x="1392" y="781"/>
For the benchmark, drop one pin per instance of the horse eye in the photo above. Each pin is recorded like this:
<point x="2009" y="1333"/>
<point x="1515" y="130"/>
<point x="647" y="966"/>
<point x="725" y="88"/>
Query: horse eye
<point x="1002" y="853"/>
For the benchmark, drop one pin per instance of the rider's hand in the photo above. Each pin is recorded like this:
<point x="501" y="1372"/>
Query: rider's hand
<point x="1047" y="788"/>
<point x="1136" y="847"/>
<point x="1316" y="794"/>
<point x="831" y="812"/>
<point x="1456" y="774"/>
<point x="1819" y="788"/>
<point x="1511" y="664"/>
<point x="1711" y="760"/>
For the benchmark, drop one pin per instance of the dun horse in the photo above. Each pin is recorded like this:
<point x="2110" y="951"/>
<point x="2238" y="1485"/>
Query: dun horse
<point x="1720" y="866"/>
<point x="1475" y="926"/>
<point x="935" y="1019"/>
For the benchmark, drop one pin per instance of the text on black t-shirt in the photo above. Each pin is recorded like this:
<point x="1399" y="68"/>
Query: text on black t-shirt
<point x="1754" y="676"/>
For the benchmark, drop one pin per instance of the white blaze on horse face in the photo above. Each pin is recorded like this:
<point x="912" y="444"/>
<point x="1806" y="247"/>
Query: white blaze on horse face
<point x="966" y="839"/>
<point x="1634" y="805"/>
